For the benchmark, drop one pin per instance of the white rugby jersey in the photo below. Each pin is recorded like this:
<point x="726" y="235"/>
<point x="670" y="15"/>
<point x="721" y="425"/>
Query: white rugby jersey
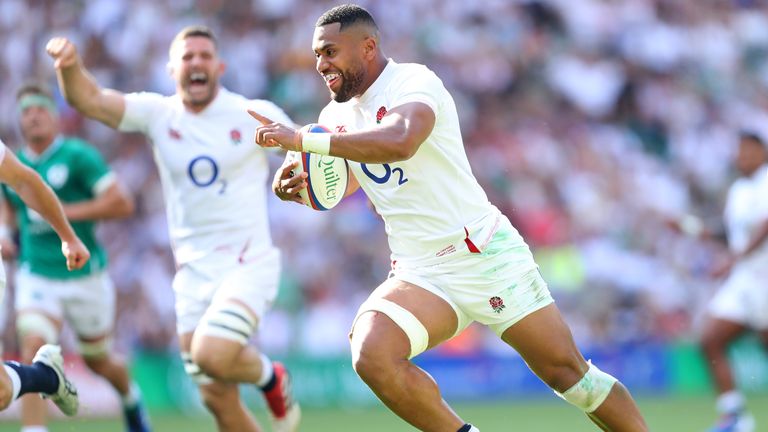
<point x="428" y="200"/>
<point x="745" y="210"/>
<point x="213" y="174"/>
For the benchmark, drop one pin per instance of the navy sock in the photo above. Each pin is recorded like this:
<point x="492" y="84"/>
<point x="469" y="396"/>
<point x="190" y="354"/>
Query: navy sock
<point x="35" y="378"/>
<point x="465" y="428"/>
<point x="270" y="384"/>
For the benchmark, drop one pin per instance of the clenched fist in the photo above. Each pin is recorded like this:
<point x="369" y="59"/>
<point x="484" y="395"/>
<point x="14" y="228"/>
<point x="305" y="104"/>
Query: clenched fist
<point x="76" y="253"/>
<point x="62" y="51"/>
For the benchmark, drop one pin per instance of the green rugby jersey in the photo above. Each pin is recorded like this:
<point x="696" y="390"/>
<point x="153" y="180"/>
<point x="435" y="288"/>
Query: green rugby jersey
<point x="76" y="172"/>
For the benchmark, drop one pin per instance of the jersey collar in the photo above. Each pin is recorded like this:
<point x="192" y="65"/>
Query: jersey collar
<point x="42" y="157"/>
<point x="380" y="83"/>
<point x="213" y="106"/>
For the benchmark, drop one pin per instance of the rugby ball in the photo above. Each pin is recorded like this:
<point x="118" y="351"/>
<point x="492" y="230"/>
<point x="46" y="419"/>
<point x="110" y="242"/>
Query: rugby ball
<point x="327" y="175"/>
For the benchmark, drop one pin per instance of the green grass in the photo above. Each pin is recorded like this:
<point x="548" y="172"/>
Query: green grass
<point x="664" y="415"/>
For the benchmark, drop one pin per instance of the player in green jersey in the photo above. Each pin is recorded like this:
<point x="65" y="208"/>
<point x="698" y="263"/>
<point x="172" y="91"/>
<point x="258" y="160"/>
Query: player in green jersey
<point x="47" y="294"/>
<point x="45" y="375"/>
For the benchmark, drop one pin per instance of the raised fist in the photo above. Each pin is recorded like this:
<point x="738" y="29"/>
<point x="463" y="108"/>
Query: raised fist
<point x="62" y="51"/>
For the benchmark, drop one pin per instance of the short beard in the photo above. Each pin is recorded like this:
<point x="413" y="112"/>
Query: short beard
<point x="350" y="88"/>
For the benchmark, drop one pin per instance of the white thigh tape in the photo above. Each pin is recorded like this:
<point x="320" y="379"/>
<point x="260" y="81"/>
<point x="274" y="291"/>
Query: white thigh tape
<point x="413" y="328"/>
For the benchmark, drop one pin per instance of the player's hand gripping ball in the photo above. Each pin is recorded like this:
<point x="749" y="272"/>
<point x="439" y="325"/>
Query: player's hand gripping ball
<point x="327" y="176"/>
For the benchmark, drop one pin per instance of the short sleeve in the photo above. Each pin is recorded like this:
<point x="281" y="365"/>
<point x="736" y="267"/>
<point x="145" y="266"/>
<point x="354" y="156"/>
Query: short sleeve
<point x="140" y="109"/>
<point x="93" y="170"/>
<point x="422" y="85"/>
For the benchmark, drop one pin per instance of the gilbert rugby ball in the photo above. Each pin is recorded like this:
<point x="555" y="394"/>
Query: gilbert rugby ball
<point x="327" y="175"/>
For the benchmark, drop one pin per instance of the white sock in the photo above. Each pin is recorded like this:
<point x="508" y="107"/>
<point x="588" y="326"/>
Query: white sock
<point x="15" y="380"/>
<point x="34" y="429"/>
<point x="474" y="429"/>
<point x="730" y="402"/>
<point x="133" y="397"/>
<point x="266" y="371"/>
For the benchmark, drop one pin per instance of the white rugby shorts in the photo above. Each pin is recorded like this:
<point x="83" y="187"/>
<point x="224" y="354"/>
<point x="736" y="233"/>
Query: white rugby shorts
<point x="86" y="303"/>
<point x="251" y="279"/>
<point x="496" y="287"/>
<point x="743" y="298"/>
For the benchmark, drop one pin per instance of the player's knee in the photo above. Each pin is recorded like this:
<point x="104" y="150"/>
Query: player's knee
<point x="34" y="326"/>
<point x="211" y="364"/>
<point x="370" y="363"/>
<point x="193" y="370"/>
<point x="95" y="351"/>
<point x="374" y="363"/>
<point x="561" y="374"/>
<point x="590" y="391"/>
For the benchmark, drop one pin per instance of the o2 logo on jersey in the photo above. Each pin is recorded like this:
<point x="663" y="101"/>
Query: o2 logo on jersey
<point x="204" y="171"/>
<point x="389" y="172"/>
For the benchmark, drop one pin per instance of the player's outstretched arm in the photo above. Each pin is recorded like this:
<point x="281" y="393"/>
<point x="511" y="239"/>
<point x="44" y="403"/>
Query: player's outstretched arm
<point x="396" y="138"/>
<point x="113" y="203"/>
<point x="38" y="196"/>
<point x="80" y="88"/>
<point x="7" y="227"/>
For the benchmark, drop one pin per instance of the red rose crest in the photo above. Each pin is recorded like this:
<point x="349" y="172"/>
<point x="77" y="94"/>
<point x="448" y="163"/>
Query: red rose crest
<point x="380" y="114"/>
<point x="497" y="304"/>
<point x="235" y="136"/>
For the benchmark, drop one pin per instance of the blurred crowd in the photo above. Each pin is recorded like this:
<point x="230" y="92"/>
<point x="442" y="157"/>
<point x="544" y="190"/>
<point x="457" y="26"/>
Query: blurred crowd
<point x="590" y="123"/>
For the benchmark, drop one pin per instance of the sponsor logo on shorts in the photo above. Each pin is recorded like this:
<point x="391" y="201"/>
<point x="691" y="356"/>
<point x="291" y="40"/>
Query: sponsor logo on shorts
<point x="497" y="304"/>
<point x="446" y="250"/>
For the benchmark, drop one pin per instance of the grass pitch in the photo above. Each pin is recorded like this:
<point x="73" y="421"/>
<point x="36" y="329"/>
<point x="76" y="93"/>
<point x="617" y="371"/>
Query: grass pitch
<point x="693" y="414"/>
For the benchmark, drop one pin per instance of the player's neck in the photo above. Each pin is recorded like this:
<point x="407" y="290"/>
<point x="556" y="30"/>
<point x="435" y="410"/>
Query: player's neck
<point x="376" y="70"/>
<point x="39" y="146"/>
<point x="198" y="108"/>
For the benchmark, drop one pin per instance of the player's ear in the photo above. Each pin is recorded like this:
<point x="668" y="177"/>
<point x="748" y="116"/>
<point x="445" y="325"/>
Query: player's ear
<point x="369" y="47"/>
<point x="169" y="68"/>
<point x="222" y="67"/>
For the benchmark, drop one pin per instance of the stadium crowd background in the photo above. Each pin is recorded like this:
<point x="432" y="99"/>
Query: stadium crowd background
<point x="589" y="123"/>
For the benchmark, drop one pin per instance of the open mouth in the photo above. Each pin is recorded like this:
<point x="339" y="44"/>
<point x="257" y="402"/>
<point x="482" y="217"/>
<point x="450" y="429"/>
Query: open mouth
<point x="198" y="79"/>
<point x="331" y="79"/>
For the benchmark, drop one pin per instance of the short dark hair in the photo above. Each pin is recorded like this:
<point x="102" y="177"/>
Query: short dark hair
<point x="753" y="136"/>
<point x="34" y="88"/>
<point x="347" y="15"/>
<point x="193" y="31"/>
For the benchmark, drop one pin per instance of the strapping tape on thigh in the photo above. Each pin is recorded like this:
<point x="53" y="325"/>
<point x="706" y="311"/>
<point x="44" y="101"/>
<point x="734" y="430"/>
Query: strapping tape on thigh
<point x="96" y="348"/>
<point x="413" y="328"/>
<point x="38" y="324"/>
<point x="228" y="320"/>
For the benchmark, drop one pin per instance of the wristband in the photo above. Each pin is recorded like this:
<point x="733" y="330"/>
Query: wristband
<point x="319" y="143"/>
